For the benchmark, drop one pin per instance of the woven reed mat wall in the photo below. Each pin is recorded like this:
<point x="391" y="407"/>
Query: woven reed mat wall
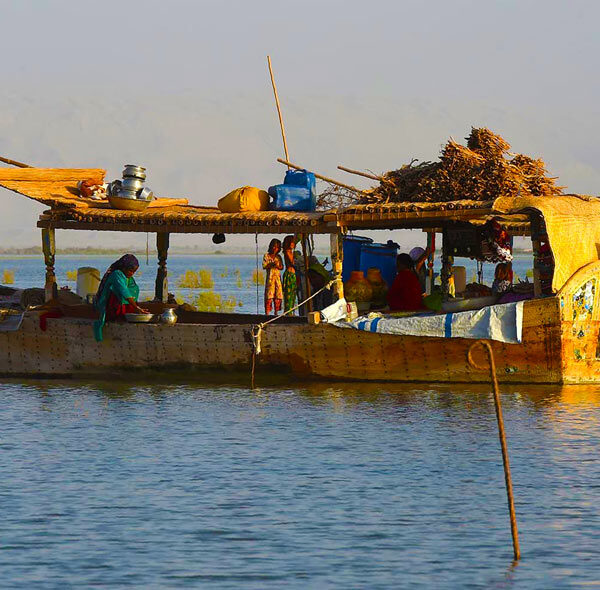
<point x="572" y="226"/>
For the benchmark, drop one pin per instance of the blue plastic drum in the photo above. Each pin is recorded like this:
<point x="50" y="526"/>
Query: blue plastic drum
<point x="381" y="256"/>
<point x="352" y="246"/>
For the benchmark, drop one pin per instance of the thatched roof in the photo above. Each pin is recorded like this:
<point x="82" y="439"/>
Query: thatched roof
<point x="57" y="188"/>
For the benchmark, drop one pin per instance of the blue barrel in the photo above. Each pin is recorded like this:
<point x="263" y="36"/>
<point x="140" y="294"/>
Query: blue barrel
<point x="352" y="246"/>
<point x="381" y="256"/>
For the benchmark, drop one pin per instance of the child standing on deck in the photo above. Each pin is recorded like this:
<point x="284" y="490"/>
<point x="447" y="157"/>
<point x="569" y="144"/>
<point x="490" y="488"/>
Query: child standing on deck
<point x="290" y="283"/>
<point x="273" y="264"/>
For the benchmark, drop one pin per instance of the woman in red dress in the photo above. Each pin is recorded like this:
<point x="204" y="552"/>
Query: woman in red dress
<point x="405" y="294"/>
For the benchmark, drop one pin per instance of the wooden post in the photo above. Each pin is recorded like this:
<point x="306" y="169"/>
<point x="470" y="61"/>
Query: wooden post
<point x="285" y="149"/>
<point x="446" y="274"/>
<point x="336" y="243"/>
<point x="502" y="436"/>
<point x="430" y="261"/>
<point x="306" y="279"/>
<point x="49" y="250"/>
<point x="161" y="290"/>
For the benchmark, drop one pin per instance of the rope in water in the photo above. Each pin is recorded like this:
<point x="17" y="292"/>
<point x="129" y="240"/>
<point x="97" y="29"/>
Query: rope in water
<point x="257" y="269"/>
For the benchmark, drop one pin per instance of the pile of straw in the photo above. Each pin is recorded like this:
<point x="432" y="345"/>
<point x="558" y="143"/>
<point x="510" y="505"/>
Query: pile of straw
<point x="482" y="171"/>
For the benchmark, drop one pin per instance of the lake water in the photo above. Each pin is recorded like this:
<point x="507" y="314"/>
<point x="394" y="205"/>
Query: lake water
<point x="181" y="481"/>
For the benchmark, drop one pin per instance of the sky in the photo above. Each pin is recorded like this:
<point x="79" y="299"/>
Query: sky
<point x="182" y="87"/>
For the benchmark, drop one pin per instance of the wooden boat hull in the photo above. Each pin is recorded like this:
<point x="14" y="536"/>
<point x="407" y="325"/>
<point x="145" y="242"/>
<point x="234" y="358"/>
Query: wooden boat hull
<point x="560" y="344"/>
<point x="67" y="347"/>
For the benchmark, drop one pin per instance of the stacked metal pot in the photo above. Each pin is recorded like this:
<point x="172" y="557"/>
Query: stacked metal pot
<point x="132" y="185"/>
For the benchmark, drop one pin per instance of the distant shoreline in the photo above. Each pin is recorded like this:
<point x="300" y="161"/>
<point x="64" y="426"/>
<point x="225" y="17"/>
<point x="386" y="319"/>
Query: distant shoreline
<point x="37" y="251"/>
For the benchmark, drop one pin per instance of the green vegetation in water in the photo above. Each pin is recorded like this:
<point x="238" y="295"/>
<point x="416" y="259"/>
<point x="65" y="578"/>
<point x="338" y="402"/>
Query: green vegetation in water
<point x="8" y="277"/>
<point x="206" y="279"/>
<point x="189" y="280"/>
<point x="211" y="301"/>
<point x="202" y="279"/>
<point x="238" y="278"/>
<point x="257" y="278"/>
<point x="224" y="273"/>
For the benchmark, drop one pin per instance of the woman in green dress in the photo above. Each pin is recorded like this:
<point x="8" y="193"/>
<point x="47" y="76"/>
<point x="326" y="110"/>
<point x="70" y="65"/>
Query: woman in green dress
<point x="117" y="294"/>
<point x="289" y="276"/>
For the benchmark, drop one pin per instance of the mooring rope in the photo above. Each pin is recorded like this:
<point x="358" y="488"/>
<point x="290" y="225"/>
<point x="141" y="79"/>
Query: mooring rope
<point x="257" y="269"/>
<point x="257" y="329"/>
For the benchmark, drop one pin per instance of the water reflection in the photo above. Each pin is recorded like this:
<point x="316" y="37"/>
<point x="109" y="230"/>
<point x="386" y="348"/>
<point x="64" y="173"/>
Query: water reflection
<point x="455" y="396"/>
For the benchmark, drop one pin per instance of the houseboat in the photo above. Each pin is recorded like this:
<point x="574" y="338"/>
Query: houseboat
<point x="550" y="336"/>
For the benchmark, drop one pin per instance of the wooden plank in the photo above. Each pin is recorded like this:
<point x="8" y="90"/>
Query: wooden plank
<point x="51" y="174"/>
<point x="187" y="229"/>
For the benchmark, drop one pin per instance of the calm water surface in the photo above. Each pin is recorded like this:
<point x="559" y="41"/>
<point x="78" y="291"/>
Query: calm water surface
<point x="183" y="481"/>
<point x="179" y="482"/>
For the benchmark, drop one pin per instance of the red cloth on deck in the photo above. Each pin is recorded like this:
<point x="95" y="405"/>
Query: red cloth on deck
<point x="405" y="293"/>
<point x="53" y="314"/>
<point x="115" y="310"/>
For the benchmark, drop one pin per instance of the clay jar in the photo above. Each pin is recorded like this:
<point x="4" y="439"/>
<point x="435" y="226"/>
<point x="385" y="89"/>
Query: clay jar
<point x="378" y="284"/>
<point x="357" y="288"/>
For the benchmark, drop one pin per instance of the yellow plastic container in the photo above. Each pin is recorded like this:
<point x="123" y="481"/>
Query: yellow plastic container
<point x="88" y="279"/>
<point x="245" y="198"/>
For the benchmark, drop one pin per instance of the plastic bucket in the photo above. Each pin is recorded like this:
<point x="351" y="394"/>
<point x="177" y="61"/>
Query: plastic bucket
<point x="380" y="256"/>
<point x="352" y="246"/>
<point x="88" y="279"/>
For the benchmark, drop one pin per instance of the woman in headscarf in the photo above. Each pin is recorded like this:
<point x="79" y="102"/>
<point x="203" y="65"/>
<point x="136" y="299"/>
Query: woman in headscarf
<point x="117" y="293"/>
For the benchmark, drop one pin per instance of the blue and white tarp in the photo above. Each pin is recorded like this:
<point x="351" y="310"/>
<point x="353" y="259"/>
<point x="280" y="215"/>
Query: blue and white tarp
<point x="503" y="323"/>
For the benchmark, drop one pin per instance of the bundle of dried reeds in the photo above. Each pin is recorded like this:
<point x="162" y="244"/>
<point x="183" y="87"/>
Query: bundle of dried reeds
<point x="482" y="171"/>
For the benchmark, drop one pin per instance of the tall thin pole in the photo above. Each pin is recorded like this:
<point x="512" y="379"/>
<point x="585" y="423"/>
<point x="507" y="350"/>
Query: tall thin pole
<point x="502" y="437"/>
<point x="285" y="149"/>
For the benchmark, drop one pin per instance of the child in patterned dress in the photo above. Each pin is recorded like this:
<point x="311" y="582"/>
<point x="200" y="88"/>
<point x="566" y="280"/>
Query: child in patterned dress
<point x="273" y="264"/>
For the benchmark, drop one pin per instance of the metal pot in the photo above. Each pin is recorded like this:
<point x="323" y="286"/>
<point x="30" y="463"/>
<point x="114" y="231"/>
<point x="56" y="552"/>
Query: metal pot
<point x="168" y="317"/>
<point x="146" y="194"/>
<point x="133" y="171"/>
<point x="132" y="184"/>
<point x="113" y="188"/>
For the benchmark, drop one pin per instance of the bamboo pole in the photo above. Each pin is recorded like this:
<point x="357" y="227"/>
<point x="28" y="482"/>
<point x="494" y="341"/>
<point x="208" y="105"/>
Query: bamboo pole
<point x="320" y="177"/>
<point x="14" y="163"/>
<point x="359" y="173"/>
<point x="502" y="437"/>
<point x="285" y="148"/>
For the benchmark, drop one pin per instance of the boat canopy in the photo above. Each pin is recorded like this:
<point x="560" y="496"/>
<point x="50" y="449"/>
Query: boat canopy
<point x="573" y="228"/>
<point x="571" y="221"/>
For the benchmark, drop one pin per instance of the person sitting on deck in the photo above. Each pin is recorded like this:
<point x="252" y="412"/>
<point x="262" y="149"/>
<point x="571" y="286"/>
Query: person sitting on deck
<point x="503" y="278"/>
<point x="419" y="256"/>
<point x="117" y="293"/>
<point x="405" y="293"/>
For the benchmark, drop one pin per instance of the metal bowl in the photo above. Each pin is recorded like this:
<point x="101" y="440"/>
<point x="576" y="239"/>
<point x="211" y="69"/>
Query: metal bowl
<point x="146" y="194"/>
<point x="127" y="203"/>
<point x="132" y="184"/>
<point x="139" y="318"/>
<point x="134" y="171"/>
